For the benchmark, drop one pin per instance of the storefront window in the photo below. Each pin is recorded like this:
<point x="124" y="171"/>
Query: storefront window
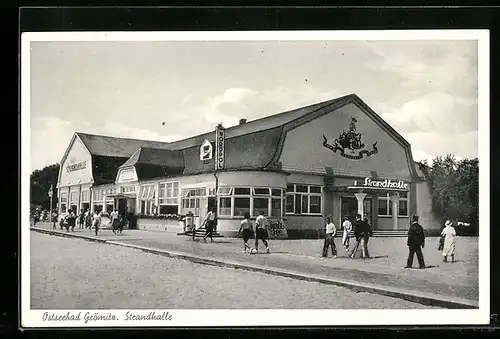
<point x="260" y="205"/>
<point x="169" y="193"/>
<point x="276" y="207"/>
<point x="109" y="207"/>
<point x="85" y="196"/>
<point x="253" y="200"/>
<point x="97" y="208"/>
<point x="385" y="205"/>
<point x="315" y="204"/>
<point x="166" y="209"/>
<point x="304" y="199"/>
<point x="225" y="206"/>
<point x="241" y="205"/>
<point x="63" y="207"/>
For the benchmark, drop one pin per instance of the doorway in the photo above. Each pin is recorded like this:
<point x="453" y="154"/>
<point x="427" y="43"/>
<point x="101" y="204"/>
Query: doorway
<point x="349" y="208"/>
<point x="122" y="206"/>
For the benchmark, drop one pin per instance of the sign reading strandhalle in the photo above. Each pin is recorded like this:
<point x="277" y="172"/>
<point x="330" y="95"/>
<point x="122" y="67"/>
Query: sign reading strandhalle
<point x="386" y="184"/>
<point x="219" y="147"/>
<point x="75" y="167"/>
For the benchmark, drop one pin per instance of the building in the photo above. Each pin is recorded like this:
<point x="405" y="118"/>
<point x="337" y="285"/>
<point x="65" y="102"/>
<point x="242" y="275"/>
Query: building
<point x="335" y="158"/>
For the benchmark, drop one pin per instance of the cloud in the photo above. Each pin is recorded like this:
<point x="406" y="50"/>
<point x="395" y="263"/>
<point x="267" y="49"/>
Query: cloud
<point x="436" y="111"/>
<point x="419" y="155"/>
<point x="463" y="145"/>
<point x="236" y="103"/>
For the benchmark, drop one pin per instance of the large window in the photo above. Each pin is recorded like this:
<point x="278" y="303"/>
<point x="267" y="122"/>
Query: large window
<point x="236" y="201"/>
<point x="303" y="199"/>
<point x="146" y="199"/>
<point x="192" y="199"/>
<point x="169" y="197"/>
<point x="73" y="197"/>
<point x="63" y="197"/>
<point x="85" y="196"/>
<point x="385" y="205"/>
<point x="98" y="195"/>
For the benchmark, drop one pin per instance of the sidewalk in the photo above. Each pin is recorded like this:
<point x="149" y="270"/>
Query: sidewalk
<point x="459" y="280"/>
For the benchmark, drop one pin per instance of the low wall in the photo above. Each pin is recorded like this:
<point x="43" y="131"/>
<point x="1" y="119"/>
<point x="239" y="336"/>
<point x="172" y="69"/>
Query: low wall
<point x="159" y="225"/>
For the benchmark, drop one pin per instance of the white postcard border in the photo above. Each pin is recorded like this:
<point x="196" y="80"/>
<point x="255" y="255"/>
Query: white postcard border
<point x="195" y="318"/>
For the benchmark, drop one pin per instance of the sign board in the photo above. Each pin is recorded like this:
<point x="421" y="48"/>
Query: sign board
<point x="386" y="184"/>
<point x="206" y="151"/>
<point x="75" y="167"/>
<point x="50" y="193"/>
<point x="276" y="229"/>
<point x="220" y="142"/>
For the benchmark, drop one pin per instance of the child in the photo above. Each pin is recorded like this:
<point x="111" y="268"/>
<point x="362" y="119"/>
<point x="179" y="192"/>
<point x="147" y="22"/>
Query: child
<point x="246" y="227"/>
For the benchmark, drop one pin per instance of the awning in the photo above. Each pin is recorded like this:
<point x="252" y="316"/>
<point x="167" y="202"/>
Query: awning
<point x="121" y="196"/>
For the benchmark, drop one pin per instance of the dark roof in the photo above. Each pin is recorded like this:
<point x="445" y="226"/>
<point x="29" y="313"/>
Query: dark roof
<point x="116" y="147"/>
<point x="154" y="162"/>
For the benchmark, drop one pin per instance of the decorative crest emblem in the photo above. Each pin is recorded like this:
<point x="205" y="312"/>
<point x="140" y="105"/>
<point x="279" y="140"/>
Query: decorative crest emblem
<point x="349" y="142"/>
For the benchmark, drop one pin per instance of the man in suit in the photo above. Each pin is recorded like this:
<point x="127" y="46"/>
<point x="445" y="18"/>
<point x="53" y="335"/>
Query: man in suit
<point x="415" y="242"/>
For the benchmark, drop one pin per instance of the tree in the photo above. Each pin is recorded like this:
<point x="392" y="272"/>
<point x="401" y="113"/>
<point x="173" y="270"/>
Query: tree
<point x="40" y="183"/>
<point x="454" y="188"/>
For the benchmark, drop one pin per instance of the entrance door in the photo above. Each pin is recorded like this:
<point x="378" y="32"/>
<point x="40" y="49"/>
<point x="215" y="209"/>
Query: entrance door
<point x="122" y="206"/>
<point x="349" y="208"/>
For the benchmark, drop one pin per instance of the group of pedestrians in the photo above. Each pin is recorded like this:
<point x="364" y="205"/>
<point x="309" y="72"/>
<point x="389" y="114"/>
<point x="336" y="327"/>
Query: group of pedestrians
<point x="247" y="231"/>
<point x="89" y="220"/>
<point x="362" y="234"/>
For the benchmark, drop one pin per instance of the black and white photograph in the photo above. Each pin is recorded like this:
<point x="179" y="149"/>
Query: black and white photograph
<point x="280" y="178"/>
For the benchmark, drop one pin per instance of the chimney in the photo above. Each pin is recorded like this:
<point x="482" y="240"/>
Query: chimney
<point x="243" y="121"/>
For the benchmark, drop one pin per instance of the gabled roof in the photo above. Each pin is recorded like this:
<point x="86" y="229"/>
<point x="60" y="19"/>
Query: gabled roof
<point x="253" y="145"/>
<point x="116" y="147"/>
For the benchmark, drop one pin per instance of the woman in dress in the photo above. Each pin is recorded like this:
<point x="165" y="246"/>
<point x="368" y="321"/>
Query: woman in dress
<point x="449" y="235"/>
<point x="347" y="226"/>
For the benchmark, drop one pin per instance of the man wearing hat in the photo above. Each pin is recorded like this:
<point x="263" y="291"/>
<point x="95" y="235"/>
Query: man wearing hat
<point x="416" y="241"/>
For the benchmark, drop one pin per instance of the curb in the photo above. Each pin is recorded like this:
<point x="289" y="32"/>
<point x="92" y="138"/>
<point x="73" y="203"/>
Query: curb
<point x="428" y="299"/>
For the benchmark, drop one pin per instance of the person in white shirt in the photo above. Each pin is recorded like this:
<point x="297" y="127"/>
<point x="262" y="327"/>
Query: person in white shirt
<point x="347" y="228"/>
<point x="449" y="235"/>
<point x="261" y="231"/>
<point x="96" y="220"/>
<point x="329" y="238"/>
<point x="209" y="225"/>
<point x="115" y="219"/>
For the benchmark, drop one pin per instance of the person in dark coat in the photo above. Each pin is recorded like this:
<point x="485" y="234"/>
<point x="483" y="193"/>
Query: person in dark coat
<point x="415" y="242"/>
<point x="367" y="233"/>
<point x="358" y="234"/>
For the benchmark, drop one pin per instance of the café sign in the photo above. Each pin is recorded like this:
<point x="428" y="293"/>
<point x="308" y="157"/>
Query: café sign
<point x="76" y="167"/>
<point x="385" y="184"/>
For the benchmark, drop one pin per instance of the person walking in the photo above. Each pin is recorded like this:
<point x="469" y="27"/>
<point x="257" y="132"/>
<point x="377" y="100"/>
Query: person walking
<point x="209" y="225"/>
<point x="449" y="235"/>
<point x="115" y="220"/>
<point x="358" y="231"/>
<point x="261" y="231"/>
<point x="96" y="221"/>
<point x="329" y="238"/>
<point x="347" y="228"/>
<point x="70" y="221"/>
<point x="415" y="242"/>
<point x="81" y="219"/>
<point x="54" y="219"/>
<point x="366" y="234"/>
<point x="88" y="220"/>
<point x="246" y="227"/>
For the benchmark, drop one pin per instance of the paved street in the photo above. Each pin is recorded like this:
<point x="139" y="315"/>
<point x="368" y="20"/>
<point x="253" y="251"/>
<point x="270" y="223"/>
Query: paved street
<point x="303" y="256"/>
<point x="69" y="273"/>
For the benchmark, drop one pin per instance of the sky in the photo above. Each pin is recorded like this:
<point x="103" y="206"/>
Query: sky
<point x="426" y="90"/>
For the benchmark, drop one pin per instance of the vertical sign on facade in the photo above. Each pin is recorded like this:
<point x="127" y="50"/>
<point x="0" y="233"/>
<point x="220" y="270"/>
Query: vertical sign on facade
<point x="219" y="147"/>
